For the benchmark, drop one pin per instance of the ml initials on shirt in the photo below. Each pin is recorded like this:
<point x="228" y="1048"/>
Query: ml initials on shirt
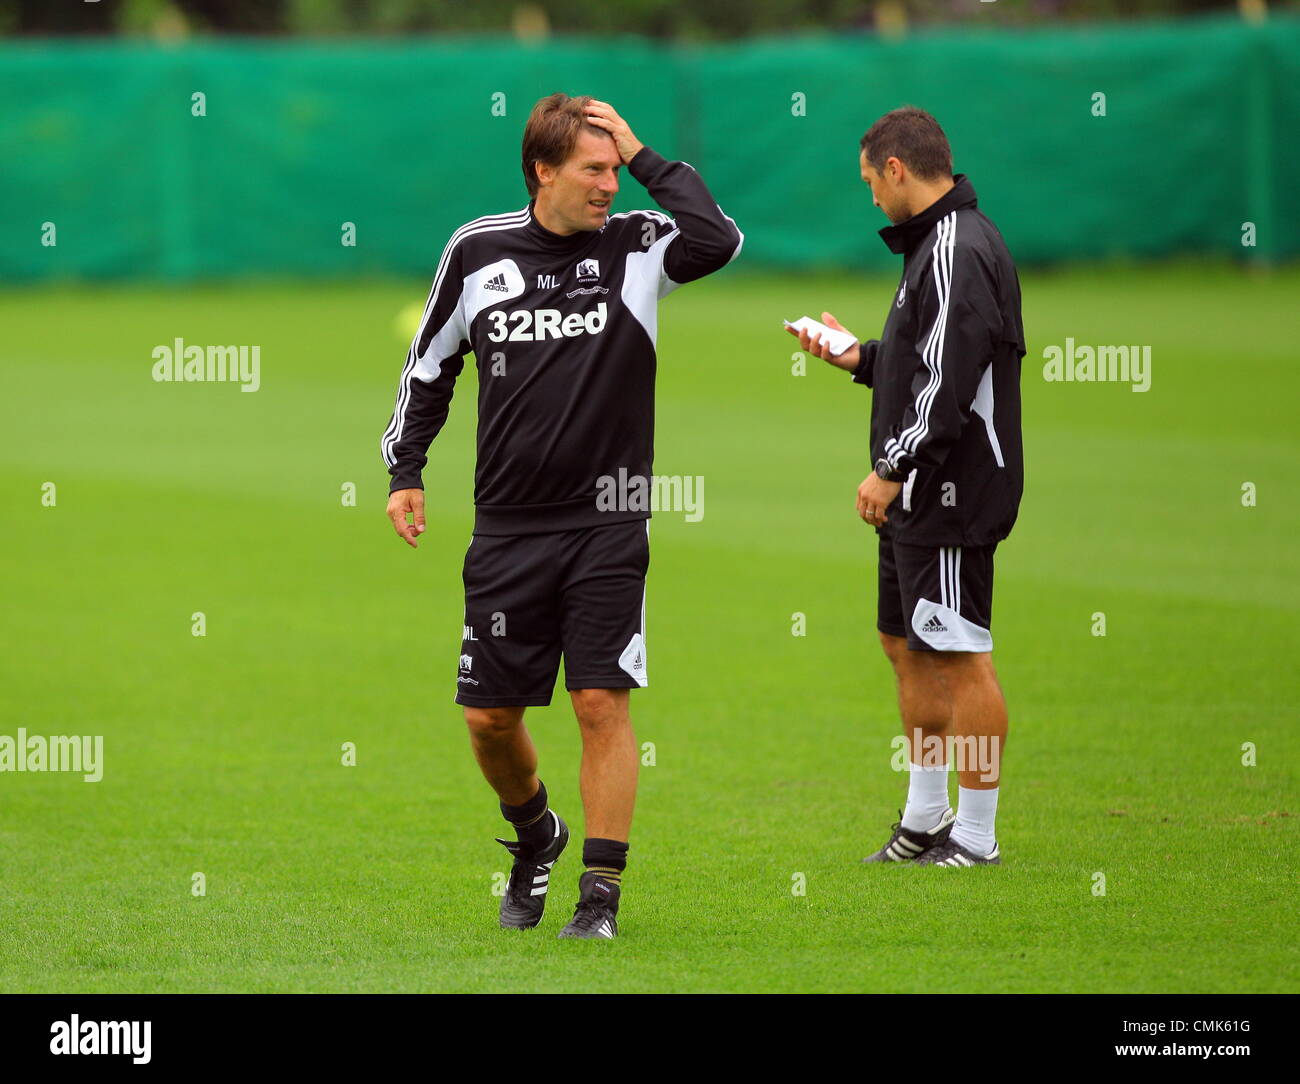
<point x="546" y="282"/>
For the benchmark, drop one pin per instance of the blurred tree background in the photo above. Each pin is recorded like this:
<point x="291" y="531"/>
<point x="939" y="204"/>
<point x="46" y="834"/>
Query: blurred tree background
<point x="701" y="20"/>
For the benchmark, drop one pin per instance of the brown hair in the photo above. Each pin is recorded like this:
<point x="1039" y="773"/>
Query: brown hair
<point x="551" y="133"/>
<point x="913" y="137"/>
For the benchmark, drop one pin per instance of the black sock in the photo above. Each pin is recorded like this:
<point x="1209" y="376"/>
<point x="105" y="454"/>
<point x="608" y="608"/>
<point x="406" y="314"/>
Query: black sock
<point x="532" y="825"/>
<point x="605" y="858"/>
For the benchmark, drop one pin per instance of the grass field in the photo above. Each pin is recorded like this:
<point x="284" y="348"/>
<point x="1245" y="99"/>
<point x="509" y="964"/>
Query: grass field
<point x="222" y="752"/>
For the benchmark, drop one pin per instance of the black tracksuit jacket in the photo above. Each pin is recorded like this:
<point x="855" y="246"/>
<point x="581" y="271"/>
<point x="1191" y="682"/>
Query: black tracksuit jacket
<point x="945" y="374"/>
<point x="563" y="333"/>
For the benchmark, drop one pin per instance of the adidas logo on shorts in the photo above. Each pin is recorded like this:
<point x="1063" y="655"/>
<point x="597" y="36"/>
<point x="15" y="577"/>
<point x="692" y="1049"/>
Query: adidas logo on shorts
<point x="497" y="283"/>
<point x="934" y="625"/>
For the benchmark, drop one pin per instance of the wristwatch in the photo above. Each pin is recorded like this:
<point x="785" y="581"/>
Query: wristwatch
<point x="886" y="473"/>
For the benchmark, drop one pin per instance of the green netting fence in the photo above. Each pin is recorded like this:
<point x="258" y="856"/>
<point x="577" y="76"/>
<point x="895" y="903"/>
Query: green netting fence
<point x="104" y="155"/>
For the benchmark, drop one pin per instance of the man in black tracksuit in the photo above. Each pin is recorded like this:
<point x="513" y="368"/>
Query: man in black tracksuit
<point x="558" y="302"/>
<point x="945" y="490"/>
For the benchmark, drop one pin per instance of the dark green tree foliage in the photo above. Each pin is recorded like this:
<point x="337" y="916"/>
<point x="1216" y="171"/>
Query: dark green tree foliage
<point x="677" y="19"/>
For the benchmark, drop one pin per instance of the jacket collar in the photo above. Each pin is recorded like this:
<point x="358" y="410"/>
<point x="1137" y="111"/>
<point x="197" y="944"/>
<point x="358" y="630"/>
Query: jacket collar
<point x="554" y="242"/>
<point x="903" y="237"/>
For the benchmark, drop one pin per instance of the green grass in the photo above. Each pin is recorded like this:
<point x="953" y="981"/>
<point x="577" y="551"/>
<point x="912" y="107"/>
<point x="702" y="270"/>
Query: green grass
<point x="223" y="752"/>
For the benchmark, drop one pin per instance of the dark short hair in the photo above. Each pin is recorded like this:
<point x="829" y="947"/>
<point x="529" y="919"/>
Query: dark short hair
<point x="913" y="137"/>
<point x="552" y="132"/>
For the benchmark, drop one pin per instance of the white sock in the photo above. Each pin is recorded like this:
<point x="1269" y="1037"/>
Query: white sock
<point x="927" y="797"/>
<point x="976" y="812"/>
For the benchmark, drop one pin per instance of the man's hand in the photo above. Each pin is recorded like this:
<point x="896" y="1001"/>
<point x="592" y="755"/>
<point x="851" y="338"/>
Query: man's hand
<point x="874" y="496"/>
<point x="404" y="502"/>
<point x="602" y="115"/>
<point x="848" y="361"/>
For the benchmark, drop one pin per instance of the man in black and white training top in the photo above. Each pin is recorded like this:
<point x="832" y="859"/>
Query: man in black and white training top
<point x="948" y="475"/>
<point x="558" y="302"/>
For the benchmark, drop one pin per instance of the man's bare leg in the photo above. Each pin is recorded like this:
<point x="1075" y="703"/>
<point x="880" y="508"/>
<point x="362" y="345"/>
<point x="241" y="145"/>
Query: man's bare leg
<point x="980" y="726"/>
<point x="923" y="700"/>
<point x="506" y="756"/>
<point x="609" y="769"/>
<point x="979" y="713"/>
<point x="504" y="752"/>
<point x="926" y="710"/>
<point x="610" y="761"/>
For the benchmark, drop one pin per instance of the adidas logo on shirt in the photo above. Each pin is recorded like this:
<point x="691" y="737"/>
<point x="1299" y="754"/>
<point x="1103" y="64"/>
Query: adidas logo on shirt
<point x="934" y="625"/>
<point x="497" y="283"/>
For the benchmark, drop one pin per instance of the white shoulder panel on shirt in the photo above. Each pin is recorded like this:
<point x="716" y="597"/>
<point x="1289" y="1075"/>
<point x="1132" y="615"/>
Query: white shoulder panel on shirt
<point x="644" y="283"/>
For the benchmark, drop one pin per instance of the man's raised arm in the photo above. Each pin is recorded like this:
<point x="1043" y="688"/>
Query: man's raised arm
<point x="705" y="239"/>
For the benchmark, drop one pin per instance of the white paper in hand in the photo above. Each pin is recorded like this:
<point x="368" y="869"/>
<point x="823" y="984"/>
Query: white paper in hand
<point x="838" y="341"/>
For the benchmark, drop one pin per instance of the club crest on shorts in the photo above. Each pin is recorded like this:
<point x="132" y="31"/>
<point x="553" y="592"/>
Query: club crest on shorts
<point x="466" y="665"/>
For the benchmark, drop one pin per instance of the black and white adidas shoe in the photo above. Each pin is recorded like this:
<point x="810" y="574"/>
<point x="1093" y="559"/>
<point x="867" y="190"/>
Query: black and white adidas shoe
<point x="905" y="845"/>
<point x="952" y="854"/>
<point x="530" y="877"/>
<point x="594" y="917"/>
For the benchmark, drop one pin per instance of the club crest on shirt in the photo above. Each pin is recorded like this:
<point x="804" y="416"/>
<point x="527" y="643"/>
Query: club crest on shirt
<point x="902" y="295"/>
<point x="588" y="270"/>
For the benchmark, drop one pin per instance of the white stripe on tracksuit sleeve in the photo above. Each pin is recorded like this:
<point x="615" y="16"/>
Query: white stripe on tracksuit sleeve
<point x="953" y="350"/>
<point x="434" y="361"/>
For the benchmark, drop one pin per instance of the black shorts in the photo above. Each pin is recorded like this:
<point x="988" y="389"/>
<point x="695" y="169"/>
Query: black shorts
<point x="531" y="598"/>
<point x="939" y="597"/>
